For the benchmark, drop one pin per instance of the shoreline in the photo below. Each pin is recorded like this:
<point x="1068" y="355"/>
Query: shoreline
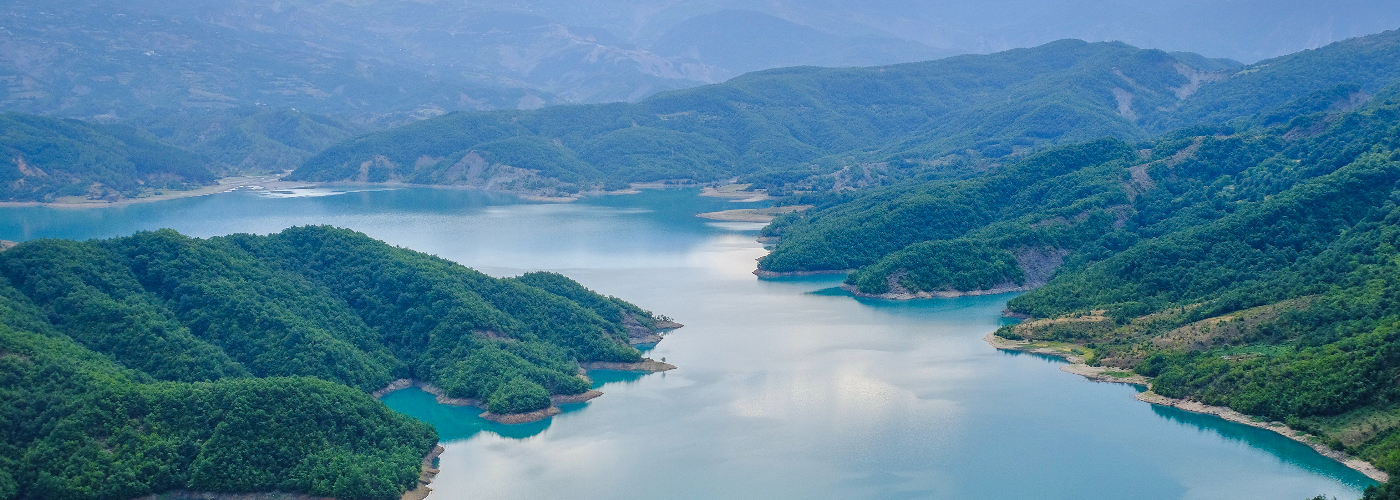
<point x="273" y="182"/>
<point x="735" y="192"/>
<point x="222" y="185"/>
<point x="932" y="295"/>
<point x="503" y="418"/>
<point x="793" y="274"/>
<point x="425" y="476"/>
<point x="1101" y="374"/>
<point x="764" y="215"/>
<point x="645" y="365"/>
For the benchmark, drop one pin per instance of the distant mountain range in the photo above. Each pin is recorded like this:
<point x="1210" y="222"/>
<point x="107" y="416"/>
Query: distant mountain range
<point x="379" y="62"/>
<point x="388" y="62"/>
<point x="814" y="129"/>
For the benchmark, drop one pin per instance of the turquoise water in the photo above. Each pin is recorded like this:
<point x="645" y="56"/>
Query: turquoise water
<point x="787" y="389"/>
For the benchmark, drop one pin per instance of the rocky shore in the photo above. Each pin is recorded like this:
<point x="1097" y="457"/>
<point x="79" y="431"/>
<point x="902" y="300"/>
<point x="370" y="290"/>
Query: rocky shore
<point x="425" y="477"/>
<point x="1357" y="464"/>
<point x="752" y="214"/>
<point x="645" y="365"/>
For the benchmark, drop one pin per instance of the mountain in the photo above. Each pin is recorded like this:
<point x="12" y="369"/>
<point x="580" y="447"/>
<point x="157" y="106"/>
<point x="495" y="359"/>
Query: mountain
<point x="883" y="224"/>
<point x="796" y="128"/>
<point x="1252" y="268"/>
<point x="47" y="159"/>
<point x="1246" y="30"/>
<point x="385" y="62"/>
<point x="109" y="60"/>
<point x="380" y="62"/>
<point x="244" y="363"/>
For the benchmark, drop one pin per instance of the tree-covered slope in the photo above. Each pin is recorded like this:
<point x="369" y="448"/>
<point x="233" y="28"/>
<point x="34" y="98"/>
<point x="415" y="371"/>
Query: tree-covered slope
<point x="243" y="363"/>
<point x="1253" y="268"/>
<point x="1059" y="201"/>
<point x="793" y="127"/>
<point x="1367" y="62"/>
<point x="248" y="140"/>
<point x="46" y="158"/>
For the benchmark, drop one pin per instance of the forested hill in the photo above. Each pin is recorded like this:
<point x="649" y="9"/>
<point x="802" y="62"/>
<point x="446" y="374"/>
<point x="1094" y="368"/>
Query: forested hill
<point x="243" y="363"/>
<point x="1255" y="269"/>
<point x="45" y="159"/>
<point x="61" y="160"/>
<point x="821" y="129"/>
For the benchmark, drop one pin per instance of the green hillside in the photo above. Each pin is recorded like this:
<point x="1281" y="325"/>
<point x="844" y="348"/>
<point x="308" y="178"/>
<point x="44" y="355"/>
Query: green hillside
<point x="796" y="127"/>
<point x="243" y="363"/>
<point x="45" y="159"/>
<point x="248" y="140"/>
<point x="1254" y="269"/>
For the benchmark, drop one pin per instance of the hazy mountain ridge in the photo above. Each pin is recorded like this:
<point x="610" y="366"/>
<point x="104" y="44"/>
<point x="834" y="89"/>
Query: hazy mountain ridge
<point x="1246" y="30"/>
<point x="92" y="60"/>
<point x="375" y="62"/>
<point x="791" y="128"/>
<point x="733" y="42"/>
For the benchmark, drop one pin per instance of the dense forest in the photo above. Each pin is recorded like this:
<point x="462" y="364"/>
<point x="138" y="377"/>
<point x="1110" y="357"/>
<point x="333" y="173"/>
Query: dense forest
<point x="243" y="363"/>
<point x="47" y="159"/>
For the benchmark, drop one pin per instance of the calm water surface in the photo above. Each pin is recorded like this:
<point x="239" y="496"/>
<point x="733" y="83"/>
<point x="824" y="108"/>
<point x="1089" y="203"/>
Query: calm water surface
<point x="786" y="389"/>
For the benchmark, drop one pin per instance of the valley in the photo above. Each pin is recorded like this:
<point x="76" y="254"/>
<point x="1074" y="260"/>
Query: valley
<point x="368" y="251"/>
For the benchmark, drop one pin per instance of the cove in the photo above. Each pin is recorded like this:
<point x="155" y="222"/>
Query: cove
<point x="784" y="390"/>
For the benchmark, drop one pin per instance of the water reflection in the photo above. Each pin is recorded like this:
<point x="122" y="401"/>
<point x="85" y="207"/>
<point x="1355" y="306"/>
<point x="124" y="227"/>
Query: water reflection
<point x="455" y="423"/>
<point x="1038" y="355"/>
<point x="603" y="378"/>
<point x="1286" y="450"/>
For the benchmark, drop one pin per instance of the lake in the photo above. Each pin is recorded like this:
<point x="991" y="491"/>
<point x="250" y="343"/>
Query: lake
<point x="786" y="389"/>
